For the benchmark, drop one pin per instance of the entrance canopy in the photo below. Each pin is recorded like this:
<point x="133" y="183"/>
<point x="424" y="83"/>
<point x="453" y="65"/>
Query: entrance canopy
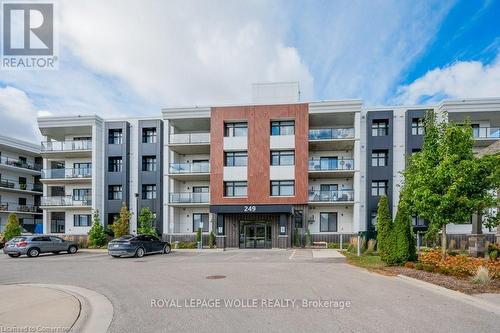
<point x="251" y="209"/>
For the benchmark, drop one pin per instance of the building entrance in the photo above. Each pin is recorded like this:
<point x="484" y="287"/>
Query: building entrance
<point x="255" y="235"/>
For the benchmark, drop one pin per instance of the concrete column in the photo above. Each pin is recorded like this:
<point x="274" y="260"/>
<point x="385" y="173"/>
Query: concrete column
<point x="476" y="238"/>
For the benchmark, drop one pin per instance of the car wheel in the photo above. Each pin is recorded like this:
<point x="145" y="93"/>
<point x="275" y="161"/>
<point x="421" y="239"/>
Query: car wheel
<point x="139" y="253"/>
<point x="72" y="249"/>
<point x="33" y="252"/>
<point x="166" y="249"/>
<point x="12" y="255"/>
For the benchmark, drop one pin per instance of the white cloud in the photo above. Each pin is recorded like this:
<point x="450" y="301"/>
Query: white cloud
<point x="460" y="80"/>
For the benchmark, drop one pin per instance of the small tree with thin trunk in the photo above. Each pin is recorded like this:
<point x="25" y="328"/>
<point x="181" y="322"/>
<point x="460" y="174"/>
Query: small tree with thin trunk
<point x="385" y="236"/>
<point x="12" y="228"/>
<point x="121" y="225"/>
<point x="97" y="235"/>
<point x="146" y="220"/>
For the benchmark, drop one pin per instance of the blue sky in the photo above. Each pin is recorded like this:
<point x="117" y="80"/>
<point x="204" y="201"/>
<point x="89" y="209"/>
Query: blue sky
<point x="136" y="57"/>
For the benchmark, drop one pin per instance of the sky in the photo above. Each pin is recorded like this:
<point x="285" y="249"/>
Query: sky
<point x="132" y="58"/>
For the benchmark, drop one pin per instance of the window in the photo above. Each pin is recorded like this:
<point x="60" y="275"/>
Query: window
<point x="298" y="218"/>
<point x="149" y="135"/>
<point x="21" y="201"/>
<point x="328" y="222"/>
<point x="198" y="219"/>
<point x="236" y="158"/>
<point x="328" y="189"/>
<point x="475" y="130"/>
<point x="82" y="169"/>
<point x="81" y="194"/>
<point x="235" y="129"/>
<point x="149" y="191"/>
<point x="115" y="192"/>
<point x="328" y="163"/>
<point x="115" y="136"/>
<point x="115" y="164"/>
<point x="417" y="221"/>
<point x="56" y="239"/>
<point x="283" y="127"/>
<point x="373" y="217"/>
<point x="149" y="163"/>
<point x="417" y="126"/>
<point x="379" y="158"/>
<point x="379" y="187"/>
<point x="283" y="157"/>
<point x="81" y="220"/>
<point x="380" y="127"/>
<point x="282" y="187"/>
<point x="235" y="189"/>
<point x="200" y="189"/>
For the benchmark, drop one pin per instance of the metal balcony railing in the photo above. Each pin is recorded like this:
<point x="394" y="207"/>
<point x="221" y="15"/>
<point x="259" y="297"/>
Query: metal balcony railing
<point x="14" y="207"/>
<point x="20" y="164"/>
<point x="189" y="197"/>
<point x="67" y="200"/>
<point x="189" y="167"/>
<point x="66" y="173"/>
<point x="331" y="133"/>
<point x="189" y="138"/>
<point x="16" y="185"/>
<point x="486" y="132"/>
<point x="76" y="145"/>
<point x="331" y="196"/>
<point x="330" y="165"/>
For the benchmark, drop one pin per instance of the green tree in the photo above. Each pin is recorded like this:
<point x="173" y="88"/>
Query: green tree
<point x="198" y="235"/>
<point x="405" y="246"/>
<point x="211" y="240"/>
<point x="121" y="225"/>
<point x="146" y="220"/>
<point x="12" y="228"/>
<point x="97" y="235"/>
<point x="296" y="238"/>
<point x="385" y="234"/>
<point x="308" y="238"/>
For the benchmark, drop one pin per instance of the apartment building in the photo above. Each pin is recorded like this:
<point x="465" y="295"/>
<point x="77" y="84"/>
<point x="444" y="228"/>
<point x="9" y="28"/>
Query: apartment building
<point x="253" y="174"/>
<point x="20" y="187"/>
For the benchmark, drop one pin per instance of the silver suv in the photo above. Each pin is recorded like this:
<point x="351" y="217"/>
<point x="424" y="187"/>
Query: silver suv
<point x="33" y="245"/>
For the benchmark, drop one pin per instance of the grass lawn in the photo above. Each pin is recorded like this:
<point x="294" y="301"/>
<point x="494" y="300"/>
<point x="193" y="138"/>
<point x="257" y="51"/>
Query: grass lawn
<point x="365" y="261"/>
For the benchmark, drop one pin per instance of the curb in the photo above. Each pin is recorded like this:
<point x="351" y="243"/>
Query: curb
<point x="96" y="311"/>
<point x="471" y="300"/>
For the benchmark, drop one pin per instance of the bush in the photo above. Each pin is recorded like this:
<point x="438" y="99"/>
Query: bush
<point x="419" y="266"/>
<point x="482" y="276"/>
<point x="405" y="249"/>
<point x="385" y="237"/>
<point x="211" y="240"/>
<point x="121" y="225"/>
<point x="12" y="228"/>
<point x="459" y="265"/>
<point x="333" y="245"/>
<point x="409" y="264"/>
<point x="371" y="246"/>
<point x="198" y="235"/>
<point x="96" y="237"/>
<point x="308" y="239"/>
<point x="493" y="251"/>
<point x="146" y="221"/>
<point x="186" y="245"/>
<point x="296" y="238"/>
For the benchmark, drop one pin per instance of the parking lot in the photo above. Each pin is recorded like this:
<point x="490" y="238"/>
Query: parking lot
<point x="161" y="293"/>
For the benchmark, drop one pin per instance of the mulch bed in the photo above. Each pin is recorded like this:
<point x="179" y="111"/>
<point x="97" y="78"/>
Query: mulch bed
<point x="463" y="285"/>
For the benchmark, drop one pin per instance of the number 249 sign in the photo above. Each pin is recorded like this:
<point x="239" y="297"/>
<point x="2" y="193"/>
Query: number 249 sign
<point x="249" y="208"/>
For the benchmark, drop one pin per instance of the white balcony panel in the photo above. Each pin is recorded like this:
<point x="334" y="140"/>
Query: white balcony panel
<point x="235" y="143"/>
<point x="282" y="142"/>
<point x="282" y="172"/>
<point x="235" y="173"/>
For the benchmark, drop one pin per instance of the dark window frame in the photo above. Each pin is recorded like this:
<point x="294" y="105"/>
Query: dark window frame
<point x="231" y="186"/>
<point x="115" y="192"/>
<point x="235" y="129"/>
<point x="149" y="135"/>
<point x="282" y="127"/>
<point x="115" y="164"/>
<point x="115" y="136"/>
<point x="278" y="155"/>
<point x="149" y="192"/>
<point x="380" y="127"/>
<point x="231" y="157"/>
<point x="417" y="126"/>
<point x="149" y="163"/>
<point x="203" y="217"/>
<point x="332" y="223"/>
<point x="82" y="220"/>
<point x="280" y="185"/>
<point x="379" y="155"/>
<point x="378" y="186"/>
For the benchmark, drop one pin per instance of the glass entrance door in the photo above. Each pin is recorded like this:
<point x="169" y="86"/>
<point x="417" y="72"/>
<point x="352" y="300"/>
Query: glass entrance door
<point x="255" y="235"/>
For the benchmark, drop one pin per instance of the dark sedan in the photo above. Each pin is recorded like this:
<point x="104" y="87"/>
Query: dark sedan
<point x="138" y="246"/>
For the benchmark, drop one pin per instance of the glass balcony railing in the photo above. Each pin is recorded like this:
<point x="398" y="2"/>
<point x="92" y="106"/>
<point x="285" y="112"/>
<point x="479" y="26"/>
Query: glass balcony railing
<point x="76" y="145"/>
<point x="331" y="196"/>
<point x="14" y="207"/>
<point x="189" y="168"/>
<point x="66" y="200"/>
<point x="331" y="133"/>
<point x="330" y="164"/>
<point x="20" y="164"/>
<point x="66" y="173"/>
<point x="189" y="138"/>
<point x="486" y="132"/>
<point x="16" y="185"/>
<point x="189" y="197"/>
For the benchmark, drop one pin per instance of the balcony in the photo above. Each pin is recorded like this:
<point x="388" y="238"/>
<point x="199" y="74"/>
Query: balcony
<point x="189" y="199"/>
<point x="331" y="168"/>
<point x="191" y="171"/>
<point x="329" y="197"/>
<point x="331" y="138"/>
<point x="79" y="174"/>
<point x="16" y="208"/>
<point x="66" y="201"/>
<point x="15" y="186"/>
<point x="190" y="143"/>
<point x="32" y="168"/>
<point x="75" y="147"/>
<point x="484" y="136"/>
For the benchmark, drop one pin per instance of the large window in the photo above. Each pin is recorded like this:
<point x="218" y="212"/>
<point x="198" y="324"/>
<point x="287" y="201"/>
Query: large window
<point x="328" y="222"/>
<point x="115" y="192"/>
<point x="149" y="163"/>
<point x="380" y="127"/>
<point x="283" y="127"/>
<point x="379" y="158"/>
<point x="198" y="219"/>
<point x="282" y="187"/>
<point x="236" y="158"/>
<point x="81" y="194"/>
<point x="235" y="189"/>
<point x="282" y="157"/>
<point x="149" y="192"/>
<point x="379" y="187"/>
<point x="149" y="135"/>
<point x="417" y="126"/>
<point x="115" y="136"/>
<point x="115" y="164"/>
<point x="81" y="220"/>
<point x="235" y="129"/>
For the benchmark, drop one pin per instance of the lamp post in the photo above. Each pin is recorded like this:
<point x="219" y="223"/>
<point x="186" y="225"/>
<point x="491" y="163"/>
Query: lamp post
<point x="137" y="210"/>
